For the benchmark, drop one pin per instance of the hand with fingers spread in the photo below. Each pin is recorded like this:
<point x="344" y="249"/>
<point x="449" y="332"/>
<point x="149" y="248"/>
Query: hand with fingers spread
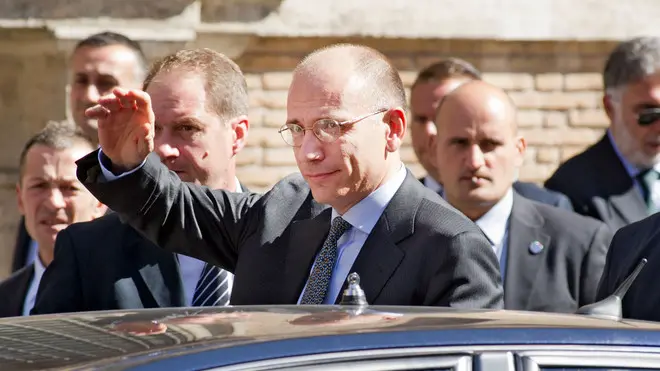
<point x="125" y="127"/>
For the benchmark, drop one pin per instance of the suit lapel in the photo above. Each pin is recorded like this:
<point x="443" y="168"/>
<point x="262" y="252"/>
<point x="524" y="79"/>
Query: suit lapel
<point x="629" y="205"/>
<point x="23" y="282"/>
<point x="160" y="278"/>
<point x="305" y="239"/>
<point x="522" y="266"/>
<point x="625" y="199"/>
<point x="380" y="256"/>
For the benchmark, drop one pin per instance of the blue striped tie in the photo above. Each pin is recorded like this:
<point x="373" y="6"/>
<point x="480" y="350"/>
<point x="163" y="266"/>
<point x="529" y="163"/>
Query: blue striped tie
<point x="212" y="288"/>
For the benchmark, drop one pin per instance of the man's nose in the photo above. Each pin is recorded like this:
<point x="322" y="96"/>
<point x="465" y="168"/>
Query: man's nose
<point x="55" y="199"/>
<point x="166" y="150"/>
<point x="92" y="93"/>
<point x="311" y="147"/>
<point x="475" y="158"/>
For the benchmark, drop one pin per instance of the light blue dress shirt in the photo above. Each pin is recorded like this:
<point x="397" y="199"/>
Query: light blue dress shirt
<point x="31" y="296"/>
<point x="362" y="217"/>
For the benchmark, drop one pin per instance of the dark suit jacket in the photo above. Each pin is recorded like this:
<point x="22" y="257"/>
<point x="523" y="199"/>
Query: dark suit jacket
<point x="539" y="194"/>
<point x="22" y="247"/>
<point x="565" y="274"/>
<point x="105" y="264"/>
<point x="599" y="186"/>
<point x="270" y="241"/>
<point x="630" y="245"/>
<point x="13" y="291"/>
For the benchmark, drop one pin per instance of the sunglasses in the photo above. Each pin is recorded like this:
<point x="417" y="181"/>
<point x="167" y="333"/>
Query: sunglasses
<point x="648" y="116"/>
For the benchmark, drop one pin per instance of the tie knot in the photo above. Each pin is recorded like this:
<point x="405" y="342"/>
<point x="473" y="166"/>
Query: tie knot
<point x="339" y="226"/>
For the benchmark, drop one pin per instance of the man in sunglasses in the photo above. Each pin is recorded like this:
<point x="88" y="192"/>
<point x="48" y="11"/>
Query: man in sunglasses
<point x="616" y="179"/>
<point x="345" y="123"/>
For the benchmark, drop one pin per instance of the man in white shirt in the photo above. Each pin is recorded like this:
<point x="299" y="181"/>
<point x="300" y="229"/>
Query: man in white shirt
<point x="50" y="198"/>
<point x="550" y="259"/>
<point x="201" y="125"/>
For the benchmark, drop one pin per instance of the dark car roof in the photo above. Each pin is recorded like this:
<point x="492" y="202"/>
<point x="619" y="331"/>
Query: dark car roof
<point x="68" y="340"/>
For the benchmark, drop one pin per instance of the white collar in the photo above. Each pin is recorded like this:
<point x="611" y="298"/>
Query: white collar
<point x="494" y="222"/>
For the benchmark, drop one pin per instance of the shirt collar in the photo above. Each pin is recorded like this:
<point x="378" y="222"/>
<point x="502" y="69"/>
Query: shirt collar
<point x="38" y="268"/>
<point x="365" y="214"/>
<point x="494" y="222"/>
<point x="239" y="189"/>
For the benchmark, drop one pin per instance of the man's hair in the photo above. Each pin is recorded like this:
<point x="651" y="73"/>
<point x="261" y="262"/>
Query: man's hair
<point x="108" y="38"/>
<point x="631" y="61"/>
<point x="447" y="69"/>
<point x="224" y="82"/>
<point x="382" y="83"/>
<point x="56" y="135"/>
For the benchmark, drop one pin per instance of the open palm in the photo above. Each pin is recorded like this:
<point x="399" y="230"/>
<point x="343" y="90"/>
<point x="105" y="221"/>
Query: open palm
<point x="125" y="127"/>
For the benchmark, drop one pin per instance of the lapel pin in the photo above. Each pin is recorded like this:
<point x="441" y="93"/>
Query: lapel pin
<point x="535" y="247"/>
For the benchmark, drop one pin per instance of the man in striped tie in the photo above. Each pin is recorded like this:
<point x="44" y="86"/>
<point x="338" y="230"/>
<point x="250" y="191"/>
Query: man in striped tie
<point x="201" y="105"/>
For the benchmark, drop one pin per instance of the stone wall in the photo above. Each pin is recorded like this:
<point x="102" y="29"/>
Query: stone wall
<point x="557" y="86"/>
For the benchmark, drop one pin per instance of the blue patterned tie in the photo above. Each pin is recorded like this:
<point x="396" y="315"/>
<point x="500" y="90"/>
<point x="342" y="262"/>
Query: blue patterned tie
<point x="212" y="288"/>
<point x="319" y="280"/>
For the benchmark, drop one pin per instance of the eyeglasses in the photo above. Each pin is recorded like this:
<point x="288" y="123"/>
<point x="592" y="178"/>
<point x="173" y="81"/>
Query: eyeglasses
<point x="326" y="130"/>
<point x="648" y="116"/>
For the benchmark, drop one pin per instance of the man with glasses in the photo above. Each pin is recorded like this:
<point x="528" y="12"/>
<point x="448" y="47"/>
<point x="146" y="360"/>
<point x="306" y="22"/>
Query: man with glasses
<point x="616" y="179"/>
<point x="354" y="207"/>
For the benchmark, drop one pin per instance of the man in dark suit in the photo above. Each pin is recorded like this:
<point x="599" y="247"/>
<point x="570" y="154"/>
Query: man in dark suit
<point x="630" y="245"/>
<point x="616" y="179"/>
<point x="345" y="124"/>
<point x="98" y="64"/>
<point x="430" y="86"/>
<point x="105" y="264"/>
<point x="50" y="198"/>
<point x="551" y="259"/>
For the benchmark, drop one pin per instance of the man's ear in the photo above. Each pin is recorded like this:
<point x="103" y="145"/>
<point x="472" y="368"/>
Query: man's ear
<point x="609" y="106"/>
<point x="239" y="127"/>
<point x="101" y="209"/>
<point x="19" y="200"/>
<point x="521" y="147"/>
<point x="395" y="119"/>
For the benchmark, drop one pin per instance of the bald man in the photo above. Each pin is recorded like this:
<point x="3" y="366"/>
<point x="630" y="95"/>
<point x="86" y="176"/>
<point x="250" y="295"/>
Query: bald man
<point x="356" y="208"/>
<point x="551" y="259"/>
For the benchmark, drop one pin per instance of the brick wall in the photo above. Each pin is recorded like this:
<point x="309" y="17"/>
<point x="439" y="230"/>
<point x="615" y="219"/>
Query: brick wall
<point x="556" y="85"/>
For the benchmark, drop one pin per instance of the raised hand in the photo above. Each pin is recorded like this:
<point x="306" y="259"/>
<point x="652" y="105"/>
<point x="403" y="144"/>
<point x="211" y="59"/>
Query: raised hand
<point x="125" y="127"/>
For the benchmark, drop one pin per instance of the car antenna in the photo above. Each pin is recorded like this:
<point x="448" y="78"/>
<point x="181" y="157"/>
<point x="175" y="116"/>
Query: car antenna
<point x="611" y="306"/>
<point x="353" y="295"/>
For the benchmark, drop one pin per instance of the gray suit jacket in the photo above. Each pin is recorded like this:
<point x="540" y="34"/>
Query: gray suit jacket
<point x="630" y="245"/>
<point x="564" y="275"/>
<point x="421" y="251"/>
<point x="13" y="291"/>
<point x="599" y="186"/>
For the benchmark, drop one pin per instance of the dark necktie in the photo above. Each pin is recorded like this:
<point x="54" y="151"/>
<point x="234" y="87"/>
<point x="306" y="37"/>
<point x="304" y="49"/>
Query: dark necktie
<point x="647" y="179"/>
<point x="212" y="288"/>
<point x="319" y="280"/>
